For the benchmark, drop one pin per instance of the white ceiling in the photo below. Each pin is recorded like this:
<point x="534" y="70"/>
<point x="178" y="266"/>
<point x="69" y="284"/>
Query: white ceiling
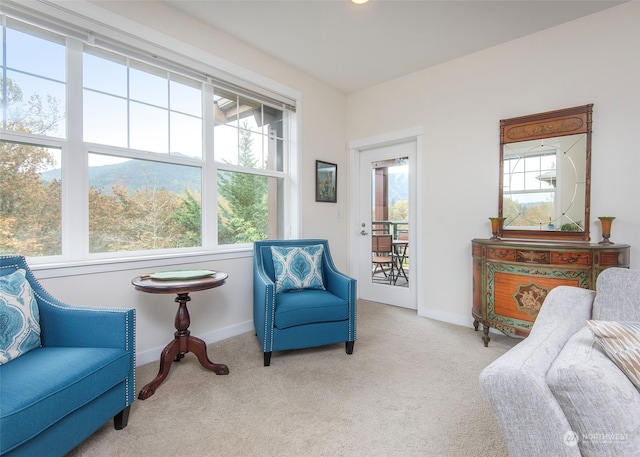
<point x="352" y="47"/>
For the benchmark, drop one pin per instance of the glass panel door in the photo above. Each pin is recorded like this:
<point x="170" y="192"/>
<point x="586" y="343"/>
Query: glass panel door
<point x="385" y="269"/>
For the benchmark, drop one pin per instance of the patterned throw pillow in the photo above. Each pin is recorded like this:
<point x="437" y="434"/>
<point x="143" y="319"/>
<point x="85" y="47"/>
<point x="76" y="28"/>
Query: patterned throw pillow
<point x="19" y="317"/>
<point x="297" y="268"/>
<point x="621" y="342"/>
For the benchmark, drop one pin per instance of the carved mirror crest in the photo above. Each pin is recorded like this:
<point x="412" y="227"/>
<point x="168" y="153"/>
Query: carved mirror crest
<point x="545" y="175"/>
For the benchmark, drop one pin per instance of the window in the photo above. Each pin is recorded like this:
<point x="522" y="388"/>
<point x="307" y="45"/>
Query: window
<point x="30" y="199"/>
<point x="249" y="149"/>
<point x="33" y="75"/>
<point x="529" y="188"/>
<point x="153" y="158"/>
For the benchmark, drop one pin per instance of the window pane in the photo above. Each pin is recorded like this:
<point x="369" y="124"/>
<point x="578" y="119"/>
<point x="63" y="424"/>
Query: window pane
<point x="225" y="107"/>
<point x="105" y="119"/>
<point x="35" y="105"/>
<point x="104" y="75"/>
<point x="35" y="55"/>
<point x="273" y="121"/>
<point x="250" y="114"/>
<point x="517" y="182"/>
<point x="531" y="180"/>
<point x="275" y="154"/>
<point x="186" y="135"/>
<point x="186" y="96"/>
<point x="149" y="128"/>
<point x="142" y="205"/>
<point x="246" y="148"/>
<point x="247" y="133"/>
<point x="225" y="148"/>
<point x="548" y="162"/>
<point x="518" y="165"/>
<point x="148" y="85"/>
<point x="251" y="153"/>
<point x="30" y="199"/>
<point x="249" y="207"/>
<point x="35" y="73"/>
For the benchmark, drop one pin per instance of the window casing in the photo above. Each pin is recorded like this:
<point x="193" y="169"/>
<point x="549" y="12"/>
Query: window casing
<point x="145" y="159"/>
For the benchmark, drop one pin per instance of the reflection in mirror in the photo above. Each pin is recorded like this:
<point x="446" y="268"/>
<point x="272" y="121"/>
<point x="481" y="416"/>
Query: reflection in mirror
<point x="545" y="162"/>
<point x="544" y="182"/>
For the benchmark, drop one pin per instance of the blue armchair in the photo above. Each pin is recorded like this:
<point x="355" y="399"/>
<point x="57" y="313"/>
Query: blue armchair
<point x="60" y="392"/>
<point x="301" y="318"/>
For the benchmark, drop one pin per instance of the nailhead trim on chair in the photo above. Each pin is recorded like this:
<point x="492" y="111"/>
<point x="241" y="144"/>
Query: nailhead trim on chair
<point x="268" y="346"/>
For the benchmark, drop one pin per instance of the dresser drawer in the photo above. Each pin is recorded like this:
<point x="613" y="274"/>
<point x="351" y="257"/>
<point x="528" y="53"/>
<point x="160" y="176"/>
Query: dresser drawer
<point x="505" y="254"/>
<point x="572" y="258"/>
<point x="614" y="259"/>
<point x="533" y="256"/>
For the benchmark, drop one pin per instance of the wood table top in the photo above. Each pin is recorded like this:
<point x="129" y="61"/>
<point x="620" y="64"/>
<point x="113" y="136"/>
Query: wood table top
<point x="178" y="286"/>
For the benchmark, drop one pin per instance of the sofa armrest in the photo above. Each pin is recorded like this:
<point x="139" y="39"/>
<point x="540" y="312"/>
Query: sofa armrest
<point x="517" y="380"/>
<point x="66" y="325"/>
<point x="618" y="297"/>
<point x="340" y="284"/>
<point x="63" y="325"/>
<point x="264" y="290"/>
<point x="344" y="287"/>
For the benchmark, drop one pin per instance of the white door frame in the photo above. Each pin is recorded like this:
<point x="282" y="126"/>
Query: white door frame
<point x="415" y="217"/>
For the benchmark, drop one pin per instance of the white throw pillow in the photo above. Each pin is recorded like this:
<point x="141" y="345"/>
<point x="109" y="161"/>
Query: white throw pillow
<point x="19" y="317"/>
<point x="621" y="342"/>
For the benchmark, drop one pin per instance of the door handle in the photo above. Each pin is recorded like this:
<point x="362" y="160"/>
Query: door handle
<point x="363" y="233"/>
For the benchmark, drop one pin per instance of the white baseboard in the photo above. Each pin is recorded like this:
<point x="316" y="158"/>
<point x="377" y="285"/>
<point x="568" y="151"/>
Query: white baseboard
<point x="153" y="355"/>
<point x="457" y="319"/>
<point x="449" y="318"/>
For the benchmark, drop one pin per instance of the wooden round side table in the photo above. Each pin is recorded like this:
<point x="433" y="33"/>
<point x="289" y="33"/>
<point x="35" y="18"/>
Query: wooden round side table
<point x="183" y="341"/>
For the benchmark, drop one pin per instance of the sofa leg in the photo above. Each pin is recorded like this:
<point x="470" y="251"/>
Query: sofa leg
<point x="349" y="346"/>
<point x="121" y="419"/>
<point x="267" y="359"/>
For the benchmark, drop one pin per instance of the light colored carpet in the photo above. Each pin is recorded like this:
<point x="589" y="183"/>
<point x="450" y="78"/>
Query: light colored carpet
<point x="409" y="389"/>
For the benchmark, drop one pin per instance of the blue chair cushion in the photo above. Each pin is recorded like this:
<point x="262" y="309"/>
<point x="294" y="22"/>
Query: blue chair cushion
<point x="44" y="385"/>
<point x="309" y="307"/>
<point x="19" y="317"/>
<point x="297" y="267"/>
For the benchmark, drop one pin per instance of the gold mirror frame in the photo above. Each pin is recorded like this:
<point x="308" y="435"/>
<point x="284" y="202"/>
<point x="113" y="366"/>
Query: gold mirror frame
<point x="542" y="126"/>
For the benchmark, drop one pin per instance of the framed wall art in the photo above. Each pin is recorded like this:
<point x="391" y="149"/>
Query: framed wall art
<point x="326" y="182"/>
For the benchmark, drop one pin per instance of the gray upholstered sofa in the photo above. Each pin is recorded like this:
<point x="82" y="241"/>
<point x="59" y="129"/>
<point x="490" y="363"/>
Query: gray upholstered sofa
<point x="557" y="393"/>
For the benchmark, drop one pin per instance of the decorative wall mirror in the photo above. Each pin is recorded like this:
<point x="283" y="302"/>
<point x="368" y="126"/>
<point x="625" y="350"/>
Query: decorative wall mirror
<point x="545" y="175"/>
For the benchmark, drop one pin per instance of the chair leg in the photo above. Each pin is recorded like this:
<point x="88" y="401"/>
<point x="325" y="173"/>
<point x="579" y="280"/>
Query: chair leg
<point x="267" y="359"/>
<point x="349" y="347"/>
<point x="121" y="419"/>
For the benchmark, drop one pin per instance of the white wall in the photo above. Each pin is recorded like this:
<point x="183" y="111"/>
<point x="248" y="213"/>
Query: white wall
<point x="595" y="59"/>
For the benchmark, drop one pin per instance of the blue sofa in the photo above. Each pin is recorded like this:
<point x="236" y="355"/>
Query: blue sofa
<point x="301" y="318"/>
<point x="55" y="396"/>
